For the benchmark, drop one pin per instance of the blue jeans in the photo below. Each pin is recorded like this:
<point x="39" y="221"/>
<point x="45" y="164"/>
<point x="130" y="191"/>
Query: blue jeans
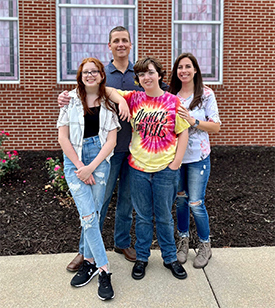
<point x="89" y="199"/>
<point x="152" y="195"/>
<point x="124" y="207"/>
<point x="193" y="181"/>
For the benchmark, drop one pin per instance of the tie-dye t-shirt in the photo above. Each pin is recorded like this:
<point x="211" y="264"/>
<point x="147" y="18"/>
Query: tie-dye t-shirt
<point x="155" y="123"/>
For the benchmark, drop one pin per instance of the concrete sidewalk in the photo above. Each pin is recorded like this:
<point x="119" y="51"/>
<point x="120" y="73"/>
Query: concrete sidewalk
<point x="234" y="278"/>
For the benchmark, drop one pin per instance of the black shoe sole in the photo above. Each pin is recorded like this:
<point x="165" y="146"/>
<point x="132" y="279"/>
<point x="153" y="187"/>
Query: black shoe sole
<point x="174" y="274"/>
<point x="72" y="270"/>
<point x="137" y="277"/>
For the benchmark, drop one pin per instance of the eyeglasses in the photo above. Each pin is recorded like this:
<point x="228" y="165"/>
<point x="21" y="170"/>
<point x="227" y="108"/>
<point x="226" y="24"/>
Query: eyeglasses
<point x="93" y="73"/>
<point x="150" y="73"/>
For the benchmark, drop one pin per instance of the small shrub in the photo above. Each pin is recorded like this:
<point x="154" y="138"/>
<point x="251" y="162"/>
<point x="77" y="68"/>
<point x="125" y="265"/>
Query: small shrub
<point x="56" y="173"/>
<point x="9" y="161"/>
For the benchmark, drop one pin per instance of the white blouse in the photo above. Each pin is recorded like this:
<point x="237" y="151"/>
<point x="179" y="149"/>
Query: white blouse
<point x="198" y="147"/>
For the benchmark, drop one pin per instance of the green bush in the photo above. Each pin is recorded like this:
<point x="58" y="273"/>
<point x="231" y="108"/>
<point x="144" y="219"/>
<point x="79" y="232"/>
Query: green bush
<point x="56" y="173"/>
<point x="9" y="161"/>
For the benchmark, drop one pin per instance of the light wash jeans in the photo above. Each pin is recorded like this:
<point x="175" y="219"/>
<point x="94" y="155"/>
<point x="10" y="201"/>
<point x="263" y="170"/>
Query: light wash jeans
<point x="124" y="207"/>
<point x="193" y="181"/>
<point x="89" y="200"/>
<point x="153" y="195"/>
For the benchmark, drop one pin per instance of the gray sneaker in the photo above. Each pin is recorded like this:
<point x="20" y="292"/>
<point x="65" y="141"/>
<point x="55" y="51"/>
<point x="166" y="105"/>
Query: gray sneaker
<point x="203" y="255"/>
<point x="182" y="250"/>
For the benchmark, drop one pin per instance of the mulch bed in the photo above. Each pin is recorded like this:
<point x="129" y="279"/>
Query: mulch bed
<point x="239" y="199"/>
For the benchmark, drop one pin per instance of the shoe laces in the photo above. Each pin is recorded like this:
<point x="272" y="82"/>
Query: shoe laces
<point x="202" y="249"/>
<point x="84" y="267"/>
<point x="105" y="279"/>
<point x="177" y="266"/>
<point x="182" y="246"/>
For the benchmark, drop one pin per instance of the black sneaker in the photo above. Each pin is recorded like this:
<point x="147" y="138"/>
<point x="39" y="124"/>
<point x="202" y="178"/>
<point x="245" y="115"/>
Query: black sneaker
<point x="105" y="289"/>
<point x="85" y="274"/>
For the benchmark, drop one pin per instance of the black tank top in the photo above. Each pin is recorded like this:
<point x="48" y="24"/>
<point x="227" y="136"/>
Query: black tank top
<point x="91" y="122"/>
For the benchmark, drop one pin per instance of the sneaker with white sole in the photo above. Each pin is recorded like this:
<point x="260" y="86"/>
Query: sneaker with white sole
<point x="203" y="255"/>
<point x="182" y="249"/>
<point x="105" y="289"/>
<point x="85" y="274"/>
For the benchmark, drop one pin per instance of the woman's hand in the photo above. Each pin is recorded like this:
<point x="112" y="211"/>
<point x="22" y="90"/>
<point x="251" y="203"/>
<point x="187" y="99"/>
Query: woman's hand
<point x="90" y="181"/>
<point x="184" y="114"/>
<point x="124" y="112"/>
<point x="174" y="166"/>
<point x="114" y="96"/>
<point x="84" y="174"/>
<point x="208" y="126"/>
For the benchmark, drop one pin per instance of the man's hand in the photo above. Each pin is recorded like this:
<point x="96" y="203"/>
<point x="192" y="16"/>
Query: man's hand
<point x="63" y="99"/>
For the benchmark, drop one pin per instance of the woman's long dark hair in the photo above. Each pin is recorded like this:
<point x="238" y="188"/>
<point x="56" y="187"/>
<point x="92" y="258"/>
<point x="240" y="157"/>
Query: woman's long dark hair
<point x="175" y="83"/>
<point x="81" y="92"/>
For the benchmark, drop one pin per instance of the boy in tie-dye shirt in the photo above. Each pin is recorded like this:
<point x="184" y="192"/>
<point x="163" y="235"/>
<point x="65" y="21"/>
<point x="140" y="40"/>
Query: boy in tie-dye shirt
<point x="158" y="144"/>
<point x="156" y="124"/>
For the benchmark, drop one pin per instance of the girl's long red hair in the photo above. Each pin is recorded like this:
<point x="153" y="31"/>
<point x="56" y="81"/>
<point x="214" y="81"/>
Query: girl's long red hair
<point x="102" y="95"/>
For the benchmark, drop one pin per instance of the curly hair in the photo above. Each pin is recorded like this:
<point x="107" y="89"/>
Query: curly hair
<point x="102" y="95"/>
<point x="175" y="83"/>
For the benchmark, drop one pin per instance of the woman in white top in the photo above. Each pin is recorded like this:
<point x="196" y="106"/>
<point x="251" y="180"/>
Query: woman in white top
<point x="87" y="135"/>
<point x="199" y="109"/>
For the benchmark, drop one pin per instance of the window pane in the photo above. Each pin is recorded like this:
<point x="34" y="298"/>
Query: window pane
<point x="84" y="32"/>
<point x="197" y="10"/>
<point x="203" y="42"/>
<point x="8" y="41"/>
<point x="105" y="2"/>
<point x="197" y="29"/>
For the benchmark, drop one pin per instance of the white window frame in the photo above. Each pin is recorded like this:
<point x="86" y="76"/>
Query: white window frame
<point x="201" y="22"/>
<point x="13" y="19"/>
<point x="95" y="6"/>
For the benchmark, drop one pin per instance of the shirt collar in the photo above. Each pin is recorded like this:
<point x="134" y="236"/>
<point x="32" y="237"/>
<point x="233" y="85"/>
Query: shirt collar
<point x="114" y="69"/>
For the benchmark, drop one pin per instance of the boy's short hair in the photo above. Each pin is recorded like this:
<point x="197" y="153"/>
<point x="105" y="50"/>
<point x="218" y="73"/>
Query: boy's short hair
<point x="118" y="29"/>
<point x="142" y="66"/>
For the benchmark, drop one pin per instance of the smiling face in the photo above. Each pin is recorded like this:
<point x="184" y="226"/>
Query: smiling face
<point x="149" y="80"/>
<point x="186" y="70"/>
<point x="91" y="76"/>
<point x="120" y="44"/>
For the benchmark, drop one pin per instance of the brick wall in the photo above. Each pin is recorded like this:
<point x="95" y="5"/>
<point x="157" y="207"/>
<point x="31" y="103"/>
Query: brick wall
<point x="28" y="111"/>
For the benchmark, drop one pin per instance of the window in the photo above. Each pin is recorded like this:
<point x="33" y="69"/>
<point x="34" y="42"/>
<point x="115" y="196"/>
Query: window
<point x="9" y="68"/>
<point x="83" y="28"/>
<point x="198" y="28"/>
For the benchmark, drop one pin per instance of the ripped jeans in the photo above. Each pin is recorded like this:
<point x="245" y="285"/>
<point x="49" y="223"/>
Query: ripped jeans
<point x="89" y="199"/>
<point x="193" y="181"/>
